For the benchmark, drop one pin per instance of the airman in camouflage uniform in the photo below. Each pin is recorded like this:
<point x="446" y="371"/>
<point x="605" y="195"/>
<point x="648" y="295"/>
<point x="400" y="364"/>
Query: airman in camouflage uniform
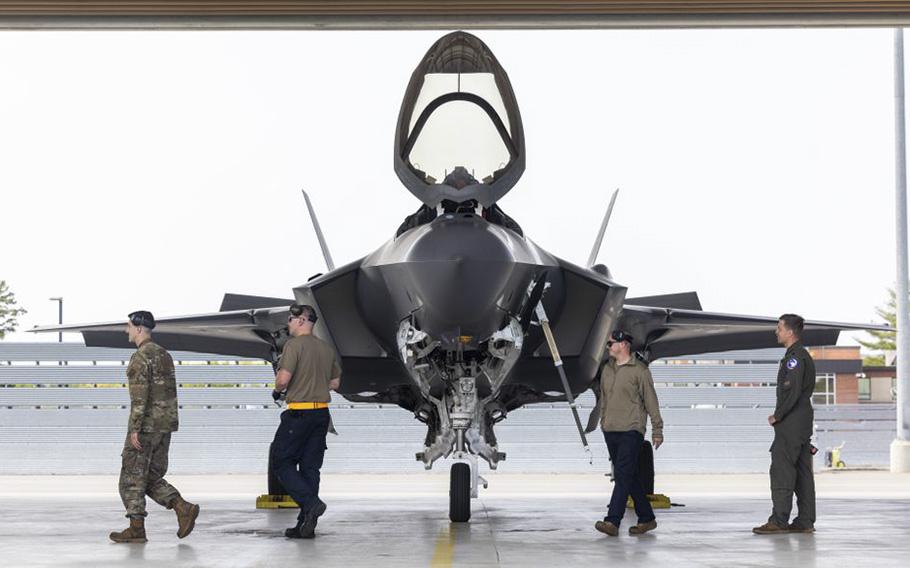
<point x="153" y="416"/>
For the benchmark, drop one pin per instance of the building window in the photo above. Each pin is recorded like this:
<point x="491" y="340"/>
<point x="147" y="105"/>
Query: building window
<point x="864" y="388"/>
<point x="824" y="389"/>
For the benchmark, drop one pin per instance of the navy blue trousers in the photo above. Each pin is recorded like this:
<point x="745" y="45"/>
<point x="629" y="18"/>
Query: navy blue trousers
<point x="624" y="448"/>
<point x="299" y="448"/>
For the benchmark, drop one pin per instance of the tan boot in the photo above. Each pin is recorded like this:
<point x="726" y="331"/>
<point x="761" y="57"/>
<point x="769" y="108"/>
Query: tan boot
<point x="642" y="528"/>
<point x="135" y="532"/>
<point x="607" y="528"/>
<point x="186" y="516"/>
<point x="770" y="528"/>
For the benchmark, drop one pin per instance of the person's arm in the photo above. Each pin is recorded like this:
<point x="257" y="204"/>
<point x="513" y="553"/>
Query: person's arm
<point x="336" y="372"/>
<point x="137" y="373"/>
<point x="790" y="388"/>
<point x="286" y="366"/>
<point x="652" y="407"/>
<point x="282" y="379"/>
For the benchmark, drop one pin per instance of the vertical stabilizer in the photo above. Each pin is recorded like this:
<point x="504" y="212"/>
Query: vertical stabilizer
<point x="603" y="229"/>
<point x="325" y="248"/>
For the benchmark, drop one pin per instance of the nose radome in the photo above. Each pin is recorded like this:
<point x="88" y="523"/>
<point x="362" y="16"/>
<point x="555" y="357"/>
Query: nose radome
<point x="459" y="269"/>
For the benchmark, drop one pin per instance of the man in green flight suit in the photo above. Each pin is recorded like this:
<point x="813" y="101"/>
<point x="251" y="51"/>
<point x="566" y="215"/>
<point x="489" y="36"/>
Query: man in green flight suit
<point x="153" y="416"/>
<point x="791" y="451"/>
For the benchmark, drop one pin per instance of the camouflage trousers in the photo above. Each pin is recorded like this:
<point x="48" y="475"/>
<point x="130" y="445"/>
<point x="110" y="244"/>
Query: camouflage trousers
<point x="142" y="473"/>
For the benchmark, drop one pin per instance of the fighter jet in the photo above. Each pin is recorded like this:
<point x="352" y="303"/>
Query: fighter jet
<point x="460" y="318"/>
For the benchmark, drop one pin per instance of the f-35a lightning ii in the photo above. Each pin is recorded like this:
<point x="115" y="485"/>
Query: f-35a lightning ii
<point x="448" y="318"/>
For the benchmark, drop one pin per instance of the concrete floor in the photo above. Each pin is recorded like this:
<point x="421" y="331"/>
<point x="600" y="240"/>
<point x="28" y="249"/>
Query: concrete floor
<point x="401" y="520"/>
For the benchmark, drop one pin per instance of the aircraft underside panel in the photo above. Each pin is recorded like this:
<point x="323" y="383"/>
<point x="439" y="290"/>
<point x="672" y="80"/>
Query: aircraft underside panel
<point x="589" y="311"/>
<point x="447" y="300"/>
<point x="334" y="296"/>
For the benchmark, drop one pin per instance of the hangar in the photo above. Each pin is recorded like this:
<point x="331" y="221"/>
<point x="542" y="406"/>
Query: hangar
<point x="446" y="15"/>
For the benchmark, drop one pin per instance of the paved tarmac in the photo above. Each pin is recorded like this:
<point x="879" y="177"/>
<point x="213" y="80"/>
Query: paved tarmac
<point x="401" y="520"/>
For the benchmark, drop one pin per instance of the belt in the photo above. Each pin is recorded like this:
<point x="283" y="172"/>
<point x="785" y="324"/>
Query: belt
<point x="307" y="405"/>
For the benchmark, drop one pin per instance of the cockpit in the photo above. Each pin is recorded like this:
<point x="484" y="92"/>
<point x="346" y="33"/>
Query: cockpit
<point x="459" y="136"/>
<point x="459" y="178"/>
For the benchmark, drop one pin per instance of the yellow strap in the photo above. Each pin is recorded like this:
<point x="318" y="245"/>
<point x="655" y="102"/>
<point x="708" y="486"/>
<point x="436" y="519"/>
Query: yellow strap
<point x="307" y="405"/>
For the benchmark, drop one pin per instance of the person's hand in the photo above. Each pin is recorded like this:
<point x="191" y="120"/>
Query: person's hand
<point x="657" y="441"/>
<point x="134" y="441"/>
<point x="334" y="384"/>
<point x="772" y="420"/>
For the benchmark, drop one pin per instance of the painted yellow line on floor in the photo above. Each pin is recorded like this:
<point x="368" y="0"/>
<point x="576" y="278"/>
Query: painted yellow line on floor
<point x="445" y="548"/>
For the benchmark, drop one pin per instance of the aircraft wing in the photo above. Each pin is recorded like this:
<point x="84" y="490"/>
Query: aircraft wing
<point x="244" y="333"/>
<point x="670" y="332"/>
<point x="260" y="331"/>
<point x="664" y="326"/>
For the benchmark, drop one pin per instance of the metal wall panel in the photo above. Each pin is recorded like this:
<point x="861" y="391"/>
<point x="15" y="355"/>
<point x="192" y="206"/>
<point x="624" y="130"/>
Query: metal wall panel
<point x="50" y="429"/>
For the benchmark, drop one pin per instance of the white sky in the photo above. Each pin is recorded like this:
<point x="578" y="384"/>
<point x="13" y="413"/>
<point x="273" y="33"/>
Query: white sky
<point x="158" y="170"/>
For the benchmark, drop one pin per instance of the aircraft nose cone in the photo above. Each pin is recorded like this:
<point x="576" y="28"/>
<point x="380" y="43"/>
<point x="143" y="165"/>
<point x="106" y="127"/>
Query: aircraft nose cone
<point x="461" y="270"/>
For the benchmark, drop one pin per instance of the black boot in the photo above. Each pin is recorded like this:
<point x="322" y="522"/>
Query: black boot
<point x="306" y="527"/>
<point x="294" y="532"/>
<point x="312" y="516"/>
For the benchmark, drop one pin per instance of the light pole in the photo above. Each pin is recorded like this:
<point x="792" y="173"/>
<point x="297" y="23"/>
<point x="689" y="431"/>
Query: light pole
<point x="59" y="316"/>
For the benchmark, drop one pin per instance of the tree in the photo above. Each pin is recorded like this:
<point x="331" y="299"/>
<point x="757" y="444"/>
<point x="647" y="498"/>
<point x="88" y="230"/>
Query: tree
<point x="883" y="340"/>
<point x="8" y="310"/>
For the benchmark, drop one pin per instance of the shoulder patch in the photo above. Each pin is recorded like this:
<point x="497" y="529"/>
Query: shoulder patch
<point x="792" y="363"/>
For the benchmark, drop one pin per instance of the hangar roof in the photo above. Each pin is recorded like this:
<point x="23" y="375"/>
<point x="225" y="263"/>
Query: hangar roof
<point x="446" y="14"/>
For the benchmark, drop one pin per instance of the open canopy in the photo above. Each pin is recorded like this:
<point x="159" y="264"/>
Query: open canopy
<point x="459" y="134"/>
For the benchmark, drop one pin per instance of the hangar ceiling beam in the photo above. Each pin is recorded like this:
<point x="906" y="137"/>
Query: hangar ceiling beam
<point x="447" y="14"/>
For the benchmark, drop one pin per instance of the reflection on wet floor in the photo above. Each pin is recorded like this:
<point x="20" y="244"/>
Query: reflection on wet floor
<point x="504" y="531"/>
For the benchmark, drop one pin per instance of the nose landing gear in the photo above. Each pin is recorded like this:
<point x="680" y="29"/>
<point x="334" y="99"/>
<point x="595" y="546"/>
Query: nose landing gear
<point x="464" y="482"/>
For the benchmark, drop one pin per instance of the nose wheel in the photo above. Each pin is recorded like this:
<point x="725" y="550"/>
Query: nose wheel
<point x="460" y="493"/>
<point x="464" y="484"/>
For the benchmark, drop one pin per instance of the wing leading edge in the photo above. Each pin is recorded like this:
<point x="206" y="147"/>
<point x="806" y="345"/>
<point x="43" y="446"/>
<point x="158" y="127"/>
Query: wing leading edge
<point x="245" y="333"/>
<point x="668" y="332"/>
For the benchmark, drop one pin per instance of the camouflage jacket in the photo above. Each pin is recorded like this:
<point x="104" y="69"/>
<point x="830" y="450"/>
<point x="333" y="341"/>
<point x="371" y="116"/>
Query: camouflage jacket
<point x="153" y="390"/>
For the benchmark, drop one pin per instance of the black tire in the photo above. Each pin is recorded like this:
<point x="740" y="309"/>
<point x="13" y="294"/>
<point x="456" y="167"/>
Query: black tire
<point x="275" y="486"/>
<point x="646" y="468"/>
<point x="460" y="493"/>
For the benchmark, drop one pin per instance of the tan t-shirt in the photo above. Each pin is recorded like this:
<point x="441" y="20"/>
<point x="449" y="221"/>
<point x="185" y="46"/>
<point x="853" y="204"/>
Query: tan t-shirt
<point x="312" y="364"/>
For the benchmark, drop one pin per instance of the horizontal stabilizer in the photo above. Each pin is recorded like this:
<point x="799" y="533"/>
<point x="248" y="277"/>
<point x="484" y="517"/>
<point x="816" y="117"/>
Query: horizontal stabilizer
<point x="680" y="301"/>
<point x="232" y="302"/>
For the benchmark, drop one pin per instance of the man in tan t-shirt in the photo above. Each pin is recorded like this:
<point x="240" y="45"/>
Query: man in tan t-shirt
<point x="308" y="370"/>
<point x="627" y="398"/>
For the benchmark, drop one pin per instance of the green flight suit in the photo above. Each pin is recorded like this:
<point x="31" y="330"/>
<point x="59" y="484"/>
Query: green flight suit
<point x="791" y="458"/>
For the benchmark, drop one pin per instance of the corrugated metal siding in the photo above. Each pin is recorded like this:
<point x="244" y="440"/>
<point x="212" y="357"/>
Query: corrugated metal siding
<point x="227" y="429"/>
